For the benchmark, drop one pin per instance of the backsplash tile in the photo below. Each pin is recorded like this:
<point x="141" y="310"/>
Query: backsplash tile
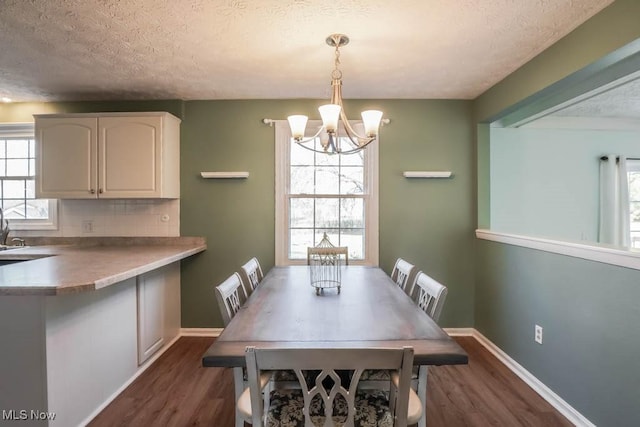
<point x="122" y="217"/>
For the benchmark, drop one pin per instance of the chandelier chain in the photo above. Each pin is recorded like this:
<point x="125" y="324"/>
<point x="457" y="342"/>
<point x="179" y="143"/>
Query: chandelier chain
<point x="336" y="74"/>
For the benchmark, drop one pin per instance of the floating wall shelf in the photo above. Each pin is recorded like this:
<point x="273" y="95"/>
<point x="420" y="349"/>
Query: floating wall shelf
<point x="224" y="175"/>
<point x="427" y="174"/>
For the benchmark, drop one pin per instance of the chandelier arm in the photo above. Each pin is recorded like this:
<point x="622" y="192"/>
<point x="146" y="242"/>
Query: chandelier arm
<point x="311" y="138"/>
<point x="351" y="133"/>
<point x="336" y="98"/>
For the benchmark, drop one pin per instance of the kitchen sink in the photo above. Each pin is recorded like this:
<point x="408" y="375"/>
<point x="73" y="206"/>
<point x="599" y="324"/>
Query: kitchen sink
<point x="7" y="248"/>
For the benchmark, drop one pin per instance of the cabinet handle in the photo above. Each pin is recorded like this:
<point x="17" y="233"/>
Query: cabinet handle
<point x="92" y="191"/>
<point x="100" y="191"/>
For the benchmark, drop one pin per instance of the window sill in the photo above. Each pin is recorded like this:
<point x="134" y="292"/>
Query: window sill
<point x="629" y="258"/>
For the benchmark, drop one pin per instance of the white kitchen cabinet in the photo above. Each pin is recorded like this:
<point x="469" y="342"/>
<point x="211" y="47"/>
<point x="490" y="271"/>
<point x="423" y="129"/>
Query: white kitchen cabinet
<point x="107" y="155"/>
<point x="158" y="295"/>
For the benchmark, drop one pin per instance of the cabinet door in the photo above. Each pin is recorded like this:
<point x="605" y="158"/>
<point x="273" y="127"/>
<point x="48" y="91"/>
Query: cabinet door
<point x="151" y="302"/>
<point x="130" y="156"/>
<point x="66" y="157"/>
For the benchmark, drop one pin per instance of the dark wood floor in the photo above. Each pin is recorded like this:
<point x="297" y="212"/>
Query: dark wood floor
<point x="177" y="391"/>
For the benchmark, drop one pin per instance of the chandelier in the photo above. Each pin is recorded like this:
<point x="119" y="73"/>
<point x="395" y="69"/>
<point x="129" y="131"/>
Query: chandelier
<point x="329" y="139"/>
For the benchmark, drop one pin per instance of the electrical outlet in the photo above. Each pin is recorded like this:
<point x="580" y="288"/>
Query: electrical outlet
<point x="87" y="226"/>
<point x="538" y="334"/>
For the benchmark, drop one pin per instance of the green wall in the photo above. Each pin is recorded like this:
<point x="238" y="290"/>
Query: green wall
<point x="590" y="315"/>
<point x="588" y="310"/>
<point x="429" y="222"/>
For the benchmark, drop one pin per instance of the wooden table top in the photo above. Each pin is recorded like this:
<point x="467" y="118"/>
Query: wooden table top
<point x="370" y="311"/>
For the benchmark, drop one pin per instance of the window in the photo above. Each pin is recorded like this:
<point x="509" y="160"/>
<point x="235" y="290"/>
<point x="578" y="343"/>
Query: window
<point x="319" y="193"/>
<point x="17" y="181"/>
<point x="633" y="172"/>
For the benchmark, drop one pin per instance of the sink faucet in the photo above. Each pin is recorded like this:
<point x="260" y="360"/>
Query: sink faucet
<point x="18" y="241"/>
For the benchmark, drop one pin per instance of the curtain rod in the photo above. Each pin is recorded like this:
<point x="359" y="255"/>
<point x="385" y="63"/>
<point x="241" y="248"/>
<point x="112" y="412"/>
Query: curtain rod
<point x="617" y="158"/>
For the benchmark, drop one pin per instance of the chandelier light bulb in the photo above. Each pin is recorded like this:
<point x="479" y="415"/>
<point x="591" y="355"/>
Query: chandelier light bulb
<point x="371" y="120"/>
<point x="297" y="123"/>
<point x="330" y="114"/>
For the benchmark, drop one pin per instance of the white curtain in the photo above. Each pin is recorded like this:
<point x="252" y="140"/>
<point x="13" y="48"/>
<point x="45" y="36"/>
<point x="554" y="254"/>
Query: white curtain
<point x="614" y="201"/>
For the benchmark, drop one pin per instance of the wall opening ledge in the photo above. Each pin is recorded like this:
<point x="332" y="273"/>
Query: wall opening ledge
<point x="593" y="252"/>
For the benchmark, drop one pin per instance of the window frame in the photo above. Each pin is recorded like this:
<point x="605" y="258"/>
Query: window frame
<point x="27" y="130"/>
<point x="633" y="166"/>
<point x="282" y="186"/>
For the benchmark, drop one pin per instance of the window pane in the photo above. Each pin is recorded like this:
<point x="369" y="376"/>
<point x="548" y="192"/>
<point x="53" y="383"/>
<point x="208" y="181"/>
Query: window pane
<point x="327" y="180"/>
<point x="301" y="213"/>
<point x="352" y="180"/>
<point x="300" y="155"/>
<point x="351" y="213"/>
<point x="302" y="178"/>
<point x="17" y="167"/>
<point x="325" y="159"/>
<point x="328" y="213"/>
<point x="355" y="159"/>
<point x="299" y="241"/>
<point x="17" y="148"/>
<point x="38" y="209"/>
<point x="354" y="240"/>
<point x="13" y="209"/>
<point x="14" y="189"/>
<point x="17" y="196"/>
<point x="31" y="189"/>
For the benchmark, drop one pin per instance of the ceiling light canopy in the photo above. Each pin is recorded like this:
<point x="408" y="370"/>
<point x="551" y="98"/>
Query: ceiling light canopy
<point x="331" y="114"/>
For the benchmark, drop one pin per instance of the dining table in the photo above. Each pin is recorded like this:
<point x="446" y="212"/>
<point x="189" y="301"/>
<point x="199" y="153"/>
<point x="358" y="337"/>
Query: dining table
<point x="370" y="311"/>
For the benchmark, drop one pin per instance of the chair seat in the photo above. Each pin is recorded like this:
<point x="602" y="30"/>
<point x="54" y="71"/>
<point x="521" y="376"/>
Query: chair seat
<point x="372" y="409"/>
<point x="383" y="374"/>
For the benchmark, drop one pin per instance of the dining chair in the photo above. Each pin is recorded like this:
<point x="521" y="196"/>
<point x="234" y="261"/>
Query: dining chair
<point x="329" y="394"/>
<point x="429" y="296"/>
<point x="253" y="275"/>
<point x="402" y="273"/>
<point x="229" y="294"/>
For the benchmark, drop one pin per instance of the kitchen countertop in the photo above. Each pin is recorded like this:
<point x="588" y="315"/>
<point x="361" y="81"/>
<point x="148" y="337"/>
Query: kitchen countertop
<point x="78" y="265"/>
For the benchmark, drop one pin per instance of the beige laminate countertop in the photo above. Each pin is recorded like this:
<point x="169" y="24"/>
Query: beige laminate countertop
<point x="79" y="266"/>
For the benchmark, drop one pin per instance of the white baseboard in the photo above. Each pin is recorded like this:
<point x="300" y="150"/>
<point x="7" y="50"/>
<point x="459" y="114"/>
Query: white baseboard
<point x="200" y="332"/>
<point x="545" y="392"/>
<point x="459" y="332"/>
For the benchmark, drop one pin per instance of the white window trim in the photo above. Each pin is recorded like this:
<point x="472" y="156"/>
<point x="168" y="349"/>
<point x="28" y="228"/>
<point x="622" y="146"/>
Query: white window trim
<point x="17" y="130"/>
<point x="282" y="151"/>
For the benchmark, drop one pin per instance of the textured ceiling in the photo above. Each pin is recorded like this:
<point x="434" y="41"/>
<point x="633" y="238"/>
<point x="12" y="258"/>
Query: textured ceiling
<point x="250" y="49"/>
<point x="621" y="100"/>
